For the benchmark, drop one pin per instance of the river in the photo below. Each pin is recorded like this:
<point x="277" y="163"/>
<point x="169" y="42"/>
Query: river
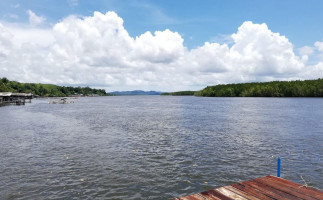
<point x="155" y="147"/>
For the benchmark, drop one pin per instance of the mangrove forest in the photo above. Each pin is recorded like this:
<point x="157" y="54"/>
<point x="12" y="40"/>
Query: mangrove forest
<point x="48" y="90"/>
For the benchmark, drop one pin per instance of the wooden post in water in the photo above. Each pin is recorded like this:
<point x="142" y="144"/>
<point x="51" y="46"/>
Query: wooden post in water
<point x="278" y="167"/>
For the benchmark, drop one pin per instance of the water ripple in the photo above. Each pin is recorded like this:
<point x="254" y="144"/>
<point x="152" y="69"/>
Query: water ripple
<point x="151" y="147"/>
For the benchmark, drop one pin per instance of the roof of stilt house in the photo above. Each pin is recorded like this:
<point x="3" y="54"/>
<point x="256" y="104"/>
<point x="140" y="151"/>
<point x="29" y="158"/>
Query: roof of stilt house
<point x="8" y="94"/>
<point x="5" y="94"/>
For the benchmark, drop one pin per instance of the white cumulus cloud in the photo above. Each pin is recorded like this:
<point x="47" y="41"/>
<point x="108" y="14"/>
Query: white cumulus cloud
<point x="319" y="46"/>
<point x="262" y="52"/>
<point x="35" y="20"/>
<point x="306" y="50"/>
<point x="5" y="42"/>
<point x="98" y="51"/>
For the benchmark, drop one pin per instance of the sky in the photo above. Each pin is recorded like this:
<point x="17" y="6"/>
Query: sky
<point x="163" y="45"/>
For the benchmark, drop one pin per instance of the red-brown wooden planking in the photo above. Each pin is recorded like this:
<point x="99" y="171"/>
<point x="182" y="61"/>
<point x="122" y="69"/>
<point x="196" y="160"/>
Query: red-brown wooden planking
<point x="241" y="193"/>
<point x="216" y="194"/>
<point x="230" y="194"/>
<point x="192" y="197"/>
<point x="294" y="186"/>
<point x="268" y="191"/>
<point x="265" y="188"/>
<point x="251" y="191"/>
<point x="285" y="188"/>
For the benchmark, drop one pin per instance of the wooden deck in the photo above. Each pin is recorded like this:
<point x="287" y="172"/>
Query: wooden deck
<point x="268" y="187"/>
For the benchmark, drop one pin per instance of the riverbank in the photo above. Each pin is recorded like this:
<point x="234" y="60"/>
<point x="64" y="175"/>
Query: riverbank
<point x="307" y="88"/>
<point x="48" y="90"/>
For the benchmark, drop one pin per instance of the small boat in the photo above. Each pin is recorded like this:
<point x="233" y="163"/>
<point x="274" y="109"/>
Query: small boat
<point x="61" y="101"/>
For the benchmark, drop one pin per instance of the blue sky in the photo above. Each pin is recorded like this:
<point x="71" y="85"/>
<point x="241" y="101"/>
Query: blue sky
<point x="197" y="21"/>
<point x="166" y="45"/>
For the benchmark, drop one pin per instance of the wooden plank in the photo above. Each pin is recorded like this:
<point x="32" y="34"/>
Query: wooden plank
<point x="193" y="197"/>
<point x="305" y="190"/>
<point x="285" y="188"/>
<point x="210" y="196"/>
<point x="251" y="191"/>
<point x="241" y="193"/>
<point x="268" y="191"/>
<point x="213" y="194"/>
<point x="230" y="194"/>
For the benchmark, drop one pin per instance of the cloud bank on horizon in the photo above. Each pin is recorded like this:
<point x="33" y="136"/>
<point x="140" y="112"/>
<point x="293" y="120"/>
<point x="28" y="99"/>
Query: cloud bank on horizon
<point x="98" y="51"/>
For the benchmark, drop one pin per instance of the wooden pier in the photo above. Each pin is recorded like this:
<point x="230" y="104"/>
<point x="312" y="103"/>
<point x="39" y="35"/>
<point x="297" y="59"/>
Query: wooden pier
<point x="15" y="98"/>
<point x="267" y="188"/>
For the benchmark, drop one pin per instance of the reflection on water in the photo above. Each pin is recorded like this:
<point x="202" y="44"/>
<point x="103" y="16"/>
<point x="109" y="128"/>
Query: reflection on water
<point x="140" y="147"/>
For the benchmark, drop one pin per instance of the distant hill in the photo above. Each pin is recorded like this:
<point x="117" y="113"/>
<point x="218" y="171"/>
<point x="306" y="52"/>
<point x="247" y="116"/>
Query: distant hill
<point x="135" y="92"/>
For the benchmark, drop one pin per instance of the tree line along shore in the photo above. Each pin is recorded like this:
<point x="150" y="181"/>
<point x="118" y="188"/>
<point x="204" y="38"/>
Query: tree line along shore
<point x="306" y="88"/>
<point x="48" y="90"/>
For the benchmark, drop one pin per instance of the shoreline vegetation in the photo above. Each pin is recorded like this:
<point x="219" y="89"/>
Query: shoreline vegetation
<point x="180" y="93"/>
<point x="306" y="88"/>
<point x="49" y="90"/>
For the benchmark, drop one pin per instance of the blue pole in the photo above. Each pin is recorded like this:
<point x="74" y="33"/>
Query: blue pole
<point x="278" y="167"/>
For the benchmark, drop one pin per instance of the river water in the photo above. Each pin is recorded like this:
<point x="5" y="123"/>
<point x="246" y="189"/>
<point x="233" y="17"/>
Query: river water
<point x="155" y="147"/>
